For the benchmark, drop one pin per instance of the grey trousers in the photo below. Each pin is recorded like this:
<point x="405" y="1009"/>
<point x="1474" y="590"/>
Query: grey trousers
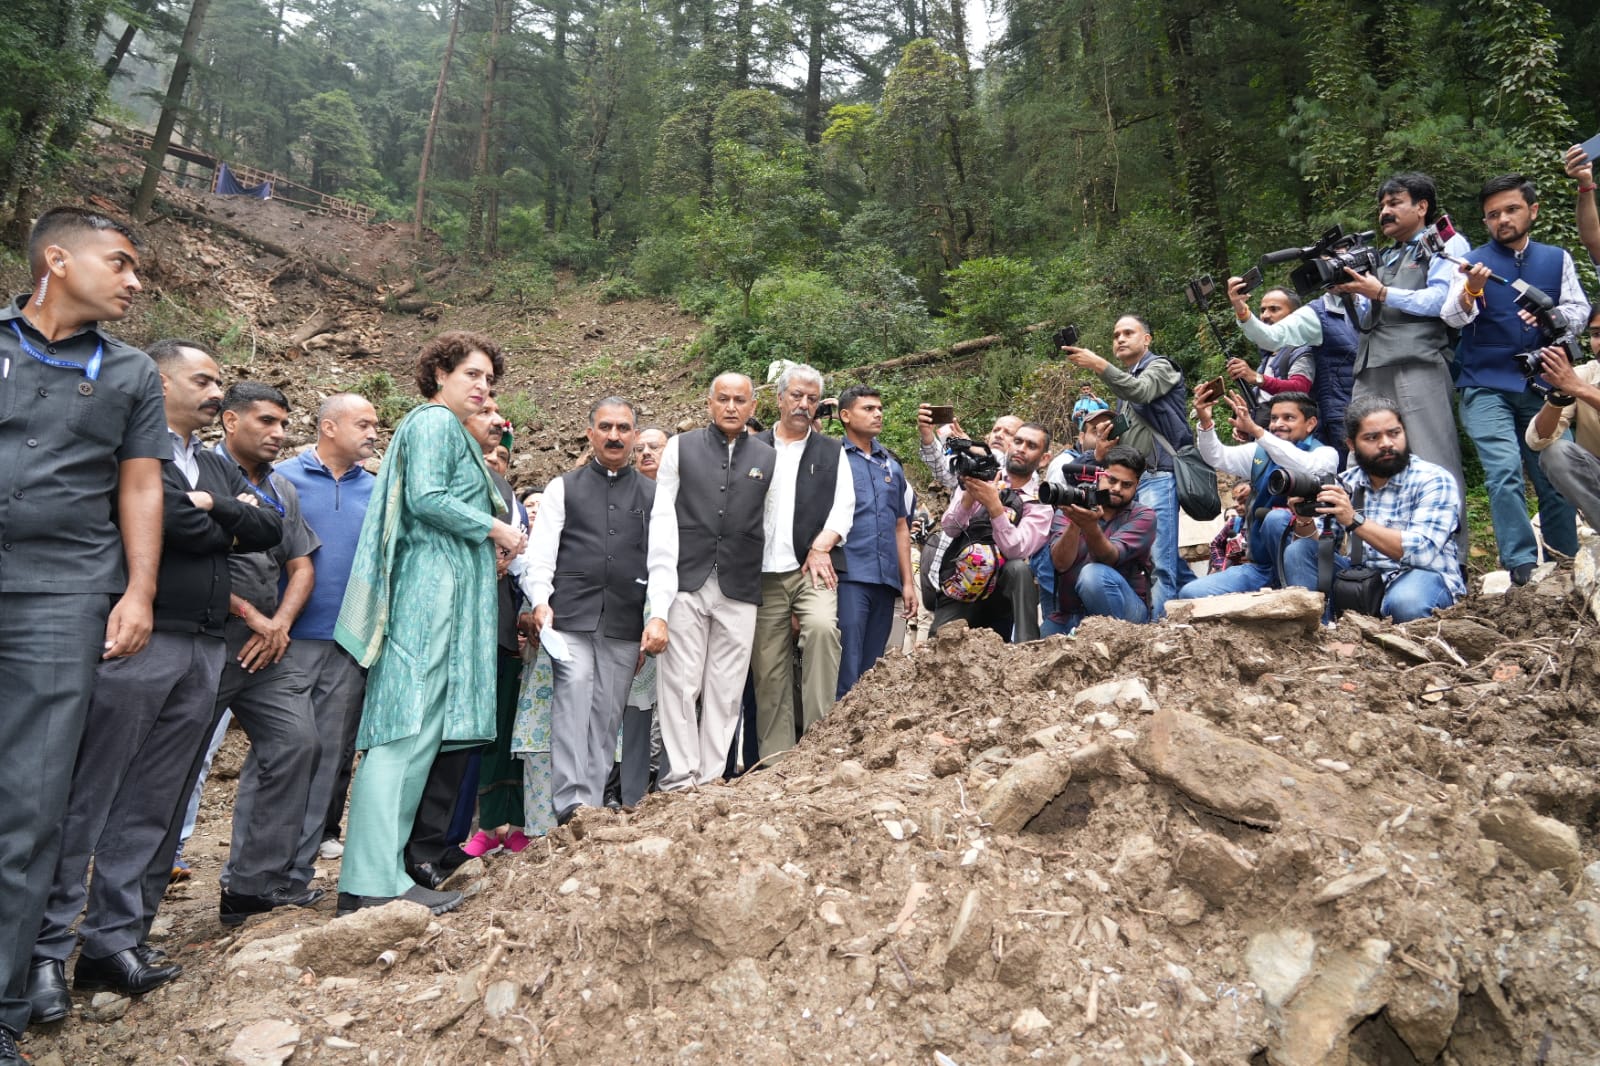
<point x="1425" y="393"/>
<point x="49" y="645"/>
<point x="585" y="714"/>
<point x="337" y="687"/>
<point x="638" y="725"/>
<point x="273" y="706"/>
<point x="1575" y="472"/>
<point x="149" y="720"/>
<point x="704" y="665"/>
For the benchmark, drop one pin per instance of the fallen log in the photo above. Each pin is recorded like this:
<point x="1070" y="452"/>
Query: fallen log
<point x="939" y="355"/>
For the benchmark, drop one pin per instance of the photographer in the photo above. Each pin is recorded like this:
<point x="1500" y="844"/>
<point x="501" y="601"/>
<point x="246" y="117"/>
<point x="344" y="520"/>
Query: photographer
<point x="1102" y="556"/>
<point x="1406" y="523"/>
<point x="1572" y="463"/>
<point x="1100" y="432"/>
<point x="1581" y="168"/>
<point x="932" y="438"/>
<point x="1156" y="401"/>
<point x="1006" y="514"/>
<point x="1405" y="348"/>
<point x="1325" y="330"/>
<point x="1289" y="446"/>
<point x="1497" y="404"/>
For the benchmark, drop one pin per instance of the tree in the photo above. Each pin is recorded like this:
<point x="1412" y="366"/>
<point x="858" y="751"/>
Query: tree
<point x="433" y="123"/>
<point x="340" y="155"/>
<point x="169" y="109"/>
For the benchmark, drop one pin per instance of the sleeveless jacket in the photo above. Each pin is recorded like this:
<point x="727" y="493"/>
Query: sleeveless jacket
<point x="1489" y="341"/>
<point x="1336" y="363"/>
<point x="600" y="565"/>
<point x="721" y="500"/>
<point x="1261" y="501"/>
<point x="1167" y="414"/>
<point x="1396" y="337"/>
<point x="815" y="479"/>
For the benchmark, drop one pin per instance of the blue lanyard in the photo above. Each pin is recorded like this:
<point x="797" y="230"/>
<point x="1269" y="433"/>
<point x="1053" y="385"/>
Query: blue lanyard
<point x="272" y="500"/>
<point x="91" y="370"/>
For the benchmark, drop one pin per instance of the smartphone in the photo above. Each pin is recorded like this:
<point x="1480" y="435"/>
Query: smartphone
<point x="1443" y="227"/>
<point x="827" y="409"/>
<point x="1210" y="391"/>
<point x="1197" y="290"/>
<point x="942" y="414"/>
<point x="1250" y="279"/>
<point x="1065" y="337"/>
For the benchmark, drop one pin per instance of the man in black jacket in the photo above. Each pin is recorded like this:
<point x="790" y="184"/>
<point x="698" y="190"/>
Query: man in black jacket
<point x="150" y="714"/>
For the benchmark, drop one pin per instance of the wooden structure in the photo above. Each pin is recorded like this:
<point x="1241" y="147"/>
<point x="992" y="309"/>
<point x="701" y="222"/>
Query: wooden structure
<point x="289" y="192"/>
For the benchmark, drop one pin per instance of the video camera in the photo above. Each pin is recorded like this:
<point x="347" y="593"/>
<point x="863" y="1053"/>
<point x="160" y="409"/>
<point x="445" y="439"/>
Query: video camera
<point x="1287" y="483"/>
<point x="969" y="458"/>
<point x="1326" y="261"/>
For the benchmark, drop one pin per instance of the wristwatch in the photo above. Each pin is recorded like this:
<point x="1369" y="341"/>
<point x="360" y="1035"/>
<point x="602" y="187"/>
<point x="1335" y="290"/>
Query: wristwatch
<point x="1357" y="519"/>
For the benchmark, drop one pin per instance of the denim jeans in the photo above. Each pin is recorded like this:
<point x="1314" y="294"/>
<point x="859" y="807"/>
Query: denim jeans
<point x="1250" y="575"/>
<point x="1414" y="594"/>
<point x="1495" y="421"/>
<point x="1106" y="592"/>
<point x="1158" y="489"/>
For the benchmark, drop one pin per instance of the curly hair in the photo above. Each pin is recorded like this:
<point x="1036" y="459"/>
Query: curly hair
<point x="445" y="352"/>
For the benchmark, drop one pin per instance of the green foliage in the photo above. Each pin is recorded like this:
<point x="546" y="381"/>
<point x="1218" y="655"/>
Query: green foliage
<point x="618" y="289"/>
<point x="662" y="262"/>
<point x="994" y="294"/>
<point x="528" y="284"/>
<point x="391" y="403"/>
<point x="336" y="140"/>
<point x="520" y="409"/>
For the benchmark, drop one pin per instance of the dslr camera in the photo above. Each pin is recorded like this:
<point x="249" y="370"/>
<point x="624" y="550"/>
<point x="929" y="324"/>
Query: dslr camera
<point x="1324" y="263"/>
<point x="970" y="458"/>
<point x="1087" y="496"/>
<point x="1286" y="483"/>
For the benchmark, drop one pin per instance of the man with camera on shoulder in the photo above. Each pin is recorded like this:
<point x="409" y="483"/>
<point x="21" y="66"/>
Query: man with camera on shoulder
<point x="1401" y="513"/>
<point x="994" y="518"/>
<point x="1286" y="448"/>
<point x="1102" y="555"/>
<point x="1571" y="462"/>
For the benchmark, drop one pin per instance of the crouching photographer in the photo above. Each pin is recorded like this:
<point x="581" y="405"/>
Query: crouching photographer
<point x="1102" y="556"/>
<point x="1287" y="447"/>
<point x="1401" y="514"/>
<point x="994" y="522"/>
<point x="1572" y="463"/>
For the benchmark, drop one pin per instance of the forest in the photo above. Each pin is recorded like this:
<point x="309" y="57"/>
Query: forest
<point x="838" y="182"/>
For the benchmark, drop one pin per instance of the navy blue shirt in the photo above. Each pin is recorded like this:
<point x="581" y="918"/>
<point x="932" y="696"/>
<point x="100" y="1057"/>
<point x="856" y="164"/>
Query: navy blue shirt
<point x="871" y="554"/>
<point x="61" y="438"/>
<point x="334" y="509"/>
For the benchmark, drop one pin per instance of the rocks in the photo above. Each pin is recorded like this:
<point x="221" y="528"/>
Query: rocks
<point x="1029" y="1026"/>
<point x="1279" y="962"/>
<point x="850" y="774"/>
<point x="1347" y="987"/>
<point x="106" y="1007"/>
<point x="968" y="942"/>
<point x="1216" y="868"/>
<point x="350" y="944"/>
<point x="751" y="915"/>
<point x="1129" y="692"/>
<point x="1423" y="1013"/>
<point x="267" y="1043"/>
<point x="1274" y="609"/>
<point x="648" y="847"/>
<point x="1343" y="886"/>
<point x="1024" y="790"/>
<point x="500" y="998"/>
<point x="741" y="986"/>
<point x="1543" y="843"/>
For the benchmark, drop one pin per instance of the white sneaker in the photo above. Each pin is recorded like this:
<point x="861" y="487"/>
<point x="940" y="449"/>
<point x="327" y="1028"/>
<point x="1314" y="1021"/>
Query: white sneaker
<point x="330" y="849"/>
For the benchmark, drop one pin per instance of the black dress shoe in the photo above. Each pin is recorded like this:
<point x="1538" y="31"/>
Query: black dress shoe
<point x="124" y="973"/>
<point x="9" y="1055"/>
<point x="237" y="906"/>
<point x="427" y="874"/>
<point x="452" y="859"/>
<point x="48" y="1000"/>
<point x="150" y="956"/>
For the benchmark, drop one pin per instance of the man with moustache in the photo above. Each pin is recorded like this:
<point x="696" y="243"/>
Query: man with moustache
<point x="333" y="489"/>
<point x="82" y="439"/>
<point x="706" y="540"/>
<point x="1497" y="406"/>
<point x="269" y="697"/>
<point x="150" y="715"/>
<point x="585" y="576"/>
<point x="1405" y="348"/>
<point x="1407" y="517"/>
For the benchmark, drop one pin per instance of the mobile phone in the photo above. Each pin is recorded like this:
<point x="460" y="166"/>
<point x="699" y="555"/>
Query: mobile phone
<point x="1210" y="391"/>
<point x="827" y="409"/>
<point x="1250" y="279"/>
<point x="1065" y="337"/>
<point x="1197" y="290"/>
<point x="1444" y="228"/>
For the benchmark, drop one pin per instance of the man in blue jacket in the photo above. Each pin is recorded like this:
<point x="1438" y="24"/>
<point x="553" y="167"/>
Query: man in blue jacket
<point x="1496" y="403"/>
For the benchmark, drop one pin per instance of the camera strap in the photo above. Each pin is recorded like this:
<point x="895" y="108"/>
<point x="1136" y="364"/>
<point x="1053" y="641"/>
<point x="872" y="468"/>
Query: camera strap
<point x="1358" y="549"/>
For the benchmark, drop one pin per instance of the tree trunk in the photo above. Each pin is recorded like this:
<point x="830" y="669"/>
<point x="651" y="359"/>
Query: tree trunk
<point x="813" y="100"/>
<point x="433" y="122"/>
<point x="480" y="163"/>
<point x="560" y="13"/>
<point x="125" y="41"/>
<point x="1202" y="202"/>
<point x="169" y="109"/>
<point x="744" y="17"/>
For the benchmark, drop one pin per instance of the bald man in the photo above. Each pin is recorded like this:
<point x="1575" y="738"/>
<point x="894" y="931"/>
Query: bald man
<point x="706" y="541"/>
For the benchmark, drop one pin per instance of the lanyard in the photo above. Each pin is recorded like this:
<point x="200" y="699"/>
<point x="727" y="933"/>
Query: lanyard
<point x="267" y="497"/>
<point x="91" y="370"/>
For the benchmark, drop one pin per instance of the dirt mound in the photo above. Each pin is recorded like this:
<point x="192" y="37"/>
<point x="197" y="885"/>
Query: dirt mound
<point x="1205" y="843"/>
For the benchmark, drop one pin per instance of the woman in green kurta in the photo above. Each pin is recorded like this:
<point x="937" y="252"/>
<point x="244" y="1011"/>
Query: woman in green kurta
<point x="420" y="611"/>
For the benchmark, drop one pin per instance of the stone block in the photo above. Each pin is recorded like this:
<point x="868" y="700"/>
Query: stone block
<point x="1024" y="790"/>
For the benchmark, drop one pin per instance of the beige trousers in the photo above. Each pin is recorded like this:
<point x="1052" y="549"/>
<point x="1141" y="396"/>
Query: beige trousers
<point x="817" y="609"/>
<point x="707" y="656"/>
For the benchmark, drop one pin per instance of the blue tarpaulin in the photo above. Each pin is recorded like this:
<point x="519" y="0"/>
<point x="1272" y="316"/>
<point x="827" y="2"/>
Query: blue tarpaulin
<point x="228" y="185"/>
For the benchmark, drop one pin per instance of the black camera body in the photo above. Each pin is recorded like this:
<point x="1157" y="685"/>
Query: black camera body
<point x="969" y="458"/>
<point x="1286" y="483"/>
<point x="1325" y="262"/>
<point x="1065" y="337"/>
<point x="1087" y="496"/>
<point x="1553" y="331"/>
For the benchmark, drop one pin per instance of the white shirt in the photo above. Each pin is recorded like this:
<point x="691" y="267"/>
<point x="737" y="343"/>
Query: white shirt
<point x="780" y="554"/>
<point x="1237" y="459"/>
<point x="662" y="558"/>
<point x="185" y="456"/>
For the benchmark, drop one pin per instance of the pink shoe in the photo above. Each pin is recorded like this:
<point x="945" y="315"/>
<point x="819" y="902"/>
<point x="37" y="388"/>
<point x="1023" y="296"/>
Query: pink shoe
<point x="516" y="841"/>
<point x="481" y="844"/>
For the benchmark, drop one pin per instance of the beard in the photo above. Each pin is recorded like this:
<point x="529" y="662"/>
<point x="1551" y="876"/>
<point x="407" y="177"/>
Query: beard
<point x="1384" y="465"/>
<point x="1018" y="467"/>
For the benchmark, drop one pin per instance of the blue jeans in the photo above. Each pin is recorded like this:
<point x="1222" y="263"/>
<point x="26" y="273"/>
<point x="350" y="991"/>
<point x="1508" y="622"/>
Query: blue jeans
<point x="1103" y="591"/>
<point x="1495" y="420"/>
<point x="866" y="614"/>
<point x="1158" y="489"/>
<point x="1412" y="595"/>
<point x="1250" y="575"/>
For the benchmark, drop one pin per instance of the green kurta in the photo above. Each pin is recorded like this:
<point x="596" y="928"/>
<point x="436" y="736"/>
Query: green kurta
<point x="431" y="512"/>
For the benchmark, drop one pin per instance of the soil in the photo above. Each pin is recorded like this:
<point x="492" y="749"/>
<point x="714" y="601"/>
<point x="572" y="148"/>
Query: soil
<point x="1361" y="844"/>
